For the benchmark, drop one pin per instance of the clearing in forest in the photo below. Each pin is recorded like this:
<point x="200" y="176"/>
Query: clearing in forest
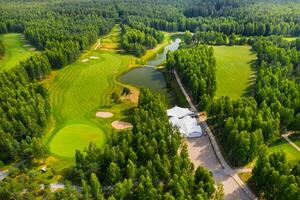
<point x="235" y="73"/>
<point x="16" y="49"/>
<point x="77" y="92"/>
<point x="282" y="145"/>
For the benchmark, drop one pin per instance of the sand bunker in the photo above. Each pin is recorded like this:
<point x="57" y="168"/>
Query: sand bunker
<point x="94" y="57"/>
<point x="104" y="114"/>
<point x="121" y="125"/>
<point x="32" y="49"/>
<point x="84" y="60"/>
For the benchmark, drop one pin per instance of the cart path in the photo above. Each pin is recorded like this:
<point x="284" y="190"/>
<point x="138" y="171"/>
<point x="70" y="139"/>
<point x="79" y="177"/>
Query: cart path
<point x="286" y="137"/>
<point x="206" y="152"/>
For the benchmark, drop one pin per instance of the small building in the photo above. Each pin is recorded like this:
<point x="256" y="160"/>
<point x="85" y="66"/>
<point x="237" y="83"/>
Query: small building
<point x="184" y="120"/>
<point x="44" y="169"/>
<point x="179" y="112"/>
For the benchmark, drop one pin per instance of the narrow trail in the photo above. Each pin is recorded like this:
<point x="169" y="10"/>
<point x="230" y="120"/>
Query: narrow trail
<point x="212" y="158"/>
<point x="286" y="137"/>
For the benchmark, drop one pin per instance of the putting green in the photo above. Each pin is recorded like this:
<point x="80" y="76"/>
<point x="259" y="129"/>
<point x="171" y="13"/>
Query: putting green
<point x="76" y="137"/>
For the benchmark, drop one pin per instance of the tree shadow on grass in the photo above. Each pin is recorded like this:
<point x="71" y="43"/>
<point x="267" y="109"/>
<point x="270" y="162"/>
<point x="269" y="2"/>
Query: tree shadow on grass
<point x="128" y="113"/>
<point x="250" y="90"/>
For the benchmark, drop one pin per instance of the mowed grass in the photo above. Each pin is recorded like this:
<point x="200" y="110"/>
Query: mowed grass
<point x="79" y="136"/>
<point x="235" y="75"/>
<point x="112" y="40"/>
<point x="282" y="145"/>
<point x="15" y="51"/>
<point x="290" y="39"/>
<point x="77" y="92"/>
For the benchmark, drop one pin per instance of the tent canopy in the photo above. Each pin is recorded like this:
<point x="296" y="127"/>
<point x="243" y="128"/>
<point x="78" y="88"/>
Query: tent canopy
<point x="179" y="112"/>
<point x="187" y="126"/>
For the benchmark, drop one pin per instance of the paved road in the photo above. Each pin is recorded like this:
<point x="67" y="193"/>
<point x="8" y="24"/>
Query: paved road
<point x="206" y="152"/>
<point x="286" y="137"/>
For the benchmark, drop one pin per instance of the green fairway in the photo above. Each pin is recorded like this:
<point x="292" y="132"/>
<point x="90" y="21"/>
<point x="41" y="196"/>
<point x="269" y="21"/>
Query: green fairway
<point x="77" y="92"/>
<point x="282" y="145"/>
<point x="78" y="137"/>
<point x="15" y="51"/>
<point x="234" y="72"/>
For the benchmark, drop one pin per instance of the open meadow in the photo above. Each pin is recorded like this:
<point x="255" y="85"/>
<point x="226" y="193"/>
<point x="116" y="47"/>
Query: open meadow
<point x="78" y="92"/>
<point x="16" y="50"/>
<point x="235" y="73"/>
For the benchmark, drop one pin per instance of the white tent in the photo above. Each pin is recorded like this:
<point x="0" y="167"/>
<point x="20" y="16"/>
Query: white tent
<point x="187" y="126"/>
<point x="179" y="112"/>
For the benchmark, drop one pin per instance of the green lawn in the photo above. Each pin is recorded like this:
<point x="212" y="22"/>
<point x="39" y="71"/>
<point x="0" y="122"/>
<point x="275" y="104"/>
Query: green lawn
<point x="234" y="72"/>
<point x="292" y="154"/>
<point x="79" y="136"/>
<point x="290" y="39"/>
<point x="77" y="92"/>
<point x="15" y="51"/>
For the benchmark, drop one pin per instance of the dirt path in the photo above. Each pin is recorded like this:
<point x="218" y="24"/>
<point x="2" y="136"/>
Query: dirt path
<point x="98" y="44"/>
<point x="286" y="137"/>
<point x="206" y="152"/>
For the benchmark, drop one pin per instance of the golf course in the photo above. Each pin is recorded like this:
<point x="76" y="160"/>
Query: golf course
<point x="16" y="49"/>
<point x="235" y="73"/>
<point x="79" y="91"/>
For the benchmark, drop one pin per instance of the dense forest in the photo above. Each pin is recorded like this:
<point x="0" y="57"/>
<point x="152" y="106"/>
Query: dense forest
<point x="24" y="112"/>
<point x="275" y="178"/>
<point x="2" y="49"/>
<point x="150" y="161"/>
<point x="197" y="68"/>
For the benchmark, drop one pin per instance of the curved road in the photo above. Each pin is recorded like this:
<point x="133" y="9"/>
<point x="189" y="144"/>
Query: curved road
<point x="206" y="152"/>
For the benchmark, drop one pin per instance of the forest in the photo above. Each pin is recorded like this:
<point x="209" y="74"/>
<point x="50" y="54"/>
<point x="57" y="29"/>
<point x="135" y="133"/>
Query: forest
<point x="2" y="49"/>
<point x="150" y="161"/>
<point x="196" y="67"/>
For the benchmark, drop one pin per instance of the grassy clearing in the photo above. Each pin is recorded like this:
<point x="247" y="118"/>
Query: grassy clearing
<point x="282" y="145"/>
<point x="15" y="51"/>
<point x="290" y="39"/>
<point x="77" y="92"/>
<point x="235" y="73"/>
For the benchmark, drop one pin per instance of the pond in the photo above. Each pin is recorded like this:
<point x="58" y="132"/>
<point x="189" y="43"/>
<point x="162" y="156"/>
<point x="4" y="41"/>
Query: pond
<point x="149" y="77"/>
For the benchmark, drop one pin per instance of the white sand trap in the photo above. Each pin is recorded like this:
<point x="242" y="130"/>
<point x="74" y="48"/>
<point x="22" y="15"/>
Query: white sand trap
<point x="84" y="60"/>
<point x="121" y="125"/>
<point x="104" y="114"/>
<point x="94" y="57"/>
<point x="32" y="49"/>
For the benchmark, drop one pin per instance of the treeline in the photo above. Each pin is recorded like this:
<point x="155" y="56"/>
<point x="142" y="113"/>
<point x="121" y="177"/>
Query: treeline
<point x="242" y="127"/>
<point x="218" y="38"/>
<point x="2" y="49"/>
<point x="149" y="162"/>
<point x="277" y="84"/>
<point x="137" y="38"/>
<point x="24" y="111"/>
<point x="197" y="69"/>
<point x="275" y="178"/>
